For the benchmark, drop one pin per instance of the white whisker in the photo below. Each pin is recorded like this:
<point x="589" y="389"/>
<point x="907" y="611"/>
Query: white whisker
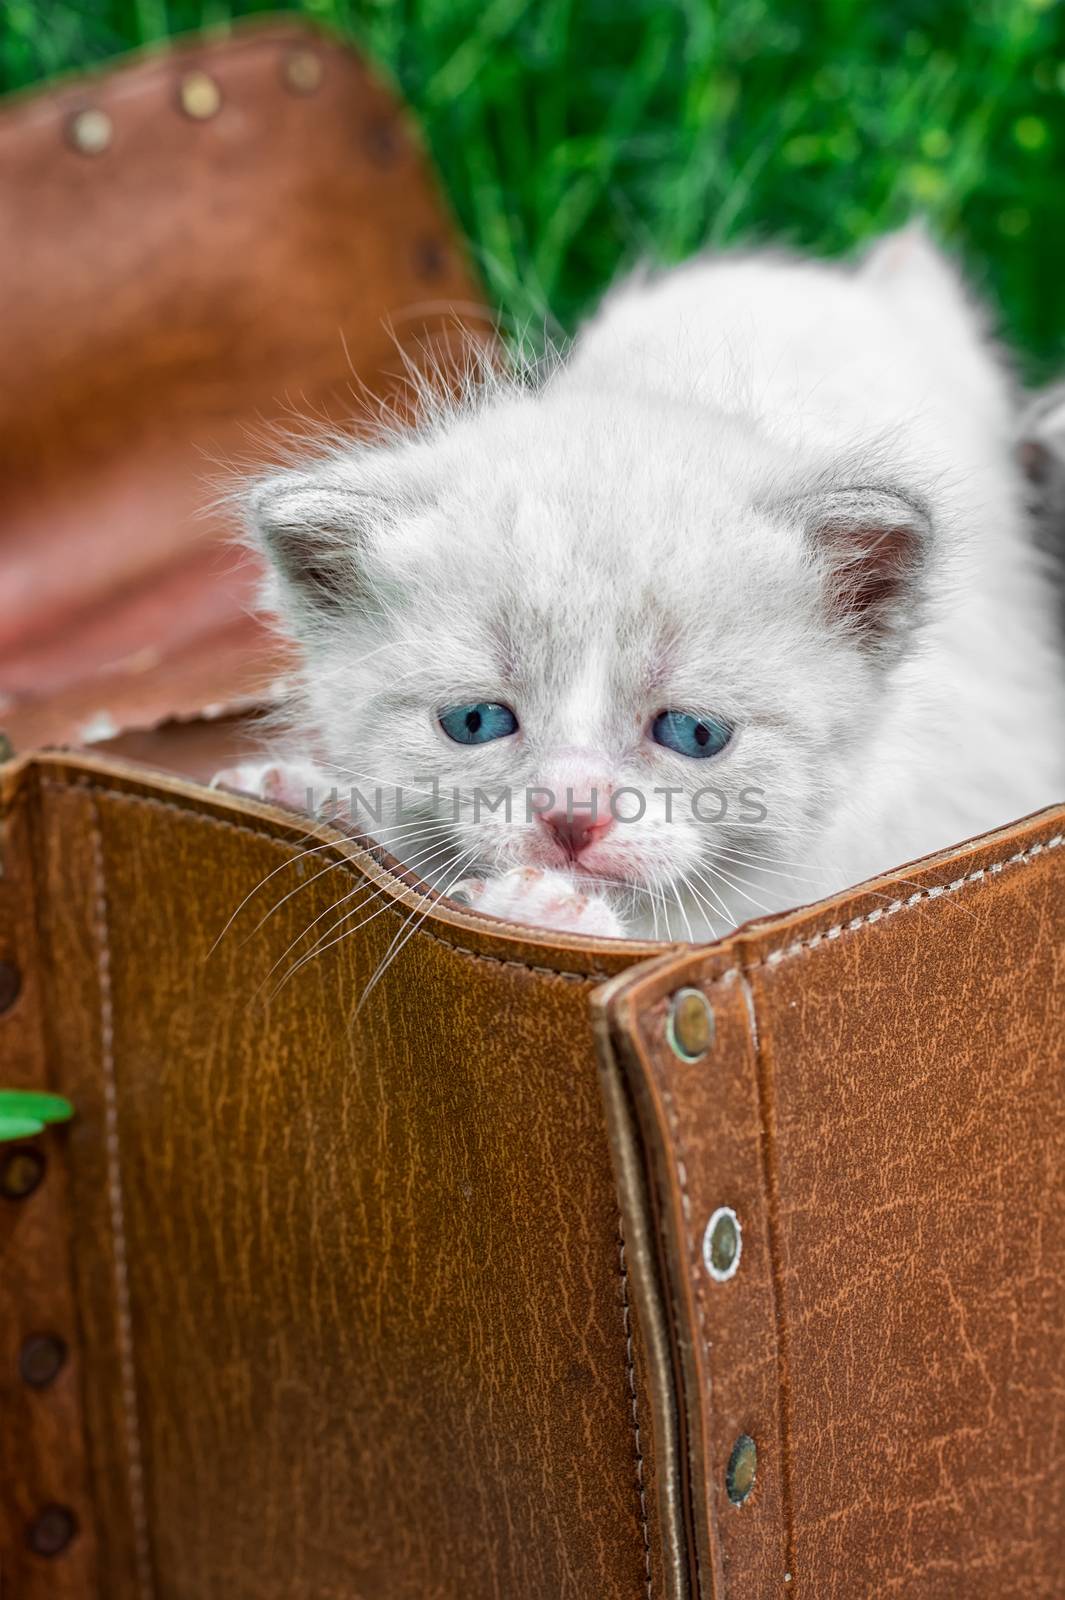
<point x="714" y="896"/>
<point x="416" y="835"/>
<point x="398" y="942"/>
<point x="324" y="942"/>
<point x="737" y="884"/>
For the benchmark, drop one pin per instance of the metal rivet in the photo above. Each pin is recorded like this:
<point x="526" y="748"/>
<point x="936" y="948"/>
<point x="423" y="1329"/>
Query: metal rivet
<point x="430" y="258"/>
<point x="90" y="131"/>
<point x="10" y="984"/>
<point x="41" y="1359"/>
<point x="383" y="143"/>
<point x="742" y="1466"/>
<point x="200" y="96"/>
<point x="51" y="1530"/>
<point x="722" y="1244"/>
<point x="690" y="1029"/>
<point x="21" y="1170"/>
<point x="303" y="71"/>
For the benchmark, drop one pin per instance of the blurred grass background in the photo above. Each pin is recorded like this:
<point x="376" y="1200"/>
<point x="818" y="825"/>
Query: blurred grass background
<point x="576" y="135"/>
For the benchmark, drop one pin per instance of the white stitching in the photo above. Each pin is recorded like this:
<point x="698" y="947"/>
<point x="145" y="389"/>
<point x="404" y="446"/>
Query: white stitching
<point x="933" y="892"/>
<point x="694" y="1279"/>
<point x="631" y="1370"/>
<point x="114" y="1187"/>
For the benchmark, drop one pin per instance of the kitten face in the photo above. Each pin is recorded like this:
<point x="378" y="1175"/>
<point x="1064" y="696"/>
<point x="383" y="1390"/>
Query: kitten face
<point x="590" y="564"/>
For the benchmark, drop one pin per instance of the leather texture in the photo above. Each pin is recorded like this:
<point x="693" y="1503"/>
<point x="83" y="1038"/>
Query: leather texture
<point x="350" y="1307"/>
<point x="182" y="303"/>
<point x="882" y="1108"/>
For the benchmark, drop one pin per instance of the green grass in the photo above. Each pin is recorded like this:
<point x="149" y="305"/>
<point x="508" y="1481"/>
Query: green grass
<point x="577" y="135"/>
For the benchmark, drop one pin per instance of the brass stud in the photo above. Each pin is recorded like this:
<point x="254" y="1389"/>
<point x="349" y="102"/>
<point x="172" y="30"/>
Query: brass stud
<point x="742" y="1466"/>
<point x="303" y="71"/>
<point x="200" y="96"/>
<point x="41" y="1359"/>
<point x="383" y="143"/>
<point x="21" y="1170"/>
<point x="722" y="1244"/>
<point x="690" y="1029"/>
<point x="90" y="131"/>
<point x="10" y="985"/>
<point x="51" y="1530"/>
<point x="430" y="258"/>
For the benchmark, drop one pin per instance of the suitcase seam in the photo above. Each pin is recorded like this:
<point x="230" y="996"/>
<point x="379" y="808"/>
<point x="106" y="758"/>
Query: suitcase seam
<point x="626" y="1317"/>
<point x="596" y="976"/>
<point x="124" y="1317"/>
<point x="934" y="891"/>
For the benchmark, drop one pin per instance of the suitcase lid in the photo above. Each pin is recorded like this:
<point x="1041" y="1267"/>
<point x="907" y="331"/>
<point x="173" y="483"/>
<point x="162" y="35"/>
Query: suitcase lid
<point x="221" y="246"/>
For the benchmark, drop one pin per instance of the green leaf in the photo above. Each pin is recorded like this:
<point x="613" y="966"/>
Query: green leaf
<point x="19" y="1127"/>
<point x="30" y="1104"/>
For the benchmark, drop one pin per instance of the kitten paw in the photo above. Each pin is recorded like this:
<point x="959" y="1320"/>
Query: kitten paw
<point x="290" y="784"/>
<point x="542" y="899"/>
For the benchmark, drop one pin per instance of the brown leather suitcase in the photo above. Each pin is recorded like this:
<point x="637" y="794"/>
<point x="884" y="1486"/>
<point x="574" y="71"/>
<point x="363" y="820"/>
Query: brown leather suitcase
<point x="555" y="1269"/>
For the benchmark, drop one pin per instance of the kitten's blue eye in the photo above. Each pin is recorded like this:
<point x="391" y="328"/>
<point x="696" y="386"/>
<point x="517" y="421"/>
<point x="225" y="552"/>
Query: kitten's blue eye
<point x="478" y="723"/>
<point x="690" y="736"/>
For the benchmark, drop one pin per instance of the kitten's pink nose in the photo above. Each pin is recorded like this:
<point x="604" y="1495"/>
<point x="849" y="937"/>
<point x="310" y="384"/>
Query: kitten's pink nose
<point x="579" y="818"/>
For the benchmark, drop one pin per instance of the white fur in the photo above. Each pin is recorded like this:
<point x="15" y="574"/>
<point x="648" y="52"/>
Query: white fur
<point x="636" y="533"/>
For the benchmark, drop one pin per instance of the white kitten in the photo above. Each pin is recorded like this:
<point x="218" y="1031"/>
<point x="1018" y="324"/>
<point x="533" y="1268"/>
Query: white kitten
<point x="754" y="561"/>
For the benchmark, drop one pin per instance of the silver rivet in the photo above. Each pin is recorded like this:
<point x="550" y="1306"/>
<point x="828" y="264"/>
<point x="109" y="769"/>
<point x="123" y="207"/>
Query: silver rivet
<point x="41" y="1359"/>
<point x="303" y="71"/>
<point x="200" y="96"/>
<point x="90" y="131"/>
<point x="742" y="1466"/>
<point x="690" y="1029"/>
<point x="51" y="1530"/>
<point x="722" y="1244"/>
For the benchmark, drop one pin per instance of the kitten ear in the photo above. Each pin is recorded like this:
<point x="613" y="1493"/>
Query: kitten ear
<point x="909" y="257"/>
<point x="314" y="529"/>
<point x="1040" y="449"/>
<point x="911" y="271"/>
<point x="872" y="545"/>
<point x="1041" y="440"/>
